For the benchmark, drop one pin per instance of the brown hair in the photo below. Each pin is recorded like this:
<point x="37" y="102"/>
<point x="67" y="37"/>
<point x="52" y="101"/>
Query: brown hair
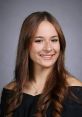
<point x="56" y="85"/>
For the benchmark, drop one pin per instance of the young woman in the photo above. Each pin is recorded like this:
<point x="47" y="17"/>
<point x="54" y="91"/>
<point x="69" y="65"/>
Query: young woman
<point x="42" y="87"/>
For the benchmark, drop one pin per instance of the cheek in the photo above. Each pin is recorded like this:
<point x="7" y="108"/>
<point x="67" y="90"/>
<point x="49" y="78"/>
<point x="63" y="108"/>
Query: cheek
<point x="36" y="47"/>
<point x="57" y="47"/>
<point x="34" y="50"/>
<point x="32" y="53"/>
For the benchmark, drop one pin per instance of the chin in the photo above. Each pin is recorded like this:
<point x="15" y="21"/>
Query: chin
<point x="47" y="65"/>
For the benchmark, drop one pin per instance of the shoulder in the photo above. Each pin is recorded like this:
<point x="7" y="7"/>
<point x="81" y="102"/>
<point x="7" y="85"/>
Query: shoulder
<point x="7" y="92"/>
<point x="73" y="81"/>
<point x="10" y="85"/>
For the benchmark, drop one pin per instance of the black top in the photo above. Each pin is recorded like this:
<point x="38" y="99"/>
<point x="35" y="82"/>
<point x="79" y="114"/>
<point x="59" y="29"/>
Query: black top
<point x="28" y="105"/>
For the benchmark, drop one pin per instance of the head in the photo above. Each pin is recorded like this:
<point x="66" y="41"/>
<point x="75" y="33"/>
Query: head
<point x="45" y="46"/>
<point x="29" y="32"/>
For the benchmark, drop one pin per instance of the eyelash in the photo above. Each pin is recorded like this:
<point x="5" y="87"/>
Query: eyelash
<point x="39" y="41"/>
<point x="54" y="40"/>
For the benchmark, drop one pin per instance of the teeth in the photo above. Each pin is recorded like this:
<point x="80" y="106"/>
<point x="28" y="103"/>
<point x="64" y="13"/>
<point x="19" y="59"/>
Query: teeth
<point x="47" y="56"/>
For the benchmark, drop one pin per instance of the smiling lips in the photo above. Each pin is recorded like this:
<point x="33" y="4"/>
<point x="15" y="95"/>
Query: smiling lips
<point x="47" y="57"/>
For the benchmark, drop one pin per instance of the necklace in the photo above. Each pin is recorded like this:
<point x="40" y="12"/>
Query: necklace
<point x="36" y="90"/>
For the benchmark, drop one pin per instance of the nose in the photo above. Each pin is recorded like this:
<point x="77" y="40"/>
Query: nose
<point x="47" y="47"/>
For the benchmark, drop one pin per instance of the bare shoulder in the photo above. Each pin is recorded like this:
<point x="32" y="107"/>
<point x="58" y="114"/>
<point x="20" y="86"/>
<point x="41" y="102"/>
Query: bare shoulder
<point x="10" y="85"/>
<point x="72" y="81"/>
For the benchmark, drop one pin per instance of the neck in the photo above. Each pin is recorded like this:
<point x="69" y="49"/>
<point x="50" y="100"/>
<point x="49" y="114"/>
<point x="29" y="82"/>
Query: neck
<point x="41" y="74"/>
<point x="37" y="85"/>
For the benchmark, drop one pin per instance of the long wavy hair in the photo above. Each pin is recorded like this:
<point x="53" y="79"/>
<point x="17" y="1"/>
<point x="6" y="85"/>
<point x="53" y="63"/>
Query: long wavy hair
<point x="56" y="85"/>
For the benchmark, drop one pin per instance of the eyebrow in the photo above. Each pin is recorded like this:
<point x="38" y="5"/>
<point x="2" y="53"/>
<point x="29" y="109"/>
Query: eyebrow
<point x="43" y="37"/>
<point x="39" y="37"/>
<point x="54" y="36"/>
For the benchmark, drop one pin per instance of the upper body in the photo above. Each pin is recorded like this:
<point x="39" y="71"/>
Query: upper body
<point x="42" y="85"/>
<point x="71" y="108"/>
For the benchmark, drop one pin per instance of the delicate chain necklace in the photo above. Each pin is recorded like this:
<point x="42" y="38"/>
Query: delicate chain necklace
<point x="36" y="90"/>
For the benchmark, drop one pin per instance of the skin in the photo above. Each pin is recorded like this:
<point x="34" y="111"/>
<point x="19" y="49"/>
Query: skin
<point x="45" y="47"/>
<point x="44" y="52"/>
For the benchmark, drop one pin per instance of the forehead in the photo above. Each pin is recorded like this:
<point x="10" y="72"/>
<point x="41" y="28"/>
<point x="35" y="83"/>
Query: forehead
<point x="46" y="28"/>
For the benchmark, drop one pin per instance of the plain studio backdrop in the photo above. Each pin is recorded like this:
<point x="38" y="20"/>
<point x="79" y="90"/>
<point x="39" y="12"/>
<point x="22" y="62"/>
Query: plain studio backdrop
<point x="12" y="14"/>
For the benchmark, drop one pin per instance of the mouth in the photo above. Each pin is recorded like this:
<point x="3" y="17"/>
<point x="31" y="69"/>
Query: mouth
<point x="47" y="57"/>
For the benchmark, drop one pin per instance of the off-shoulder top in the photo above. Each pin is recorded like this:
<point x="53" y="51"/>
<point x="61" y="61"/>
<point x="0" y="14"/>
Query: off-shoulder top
<point x="71" y="108"/>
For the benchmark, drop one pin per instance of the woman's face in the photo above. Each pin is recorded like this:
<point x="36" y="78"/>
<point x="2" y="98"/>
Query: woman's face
<point x="45" y="47"/>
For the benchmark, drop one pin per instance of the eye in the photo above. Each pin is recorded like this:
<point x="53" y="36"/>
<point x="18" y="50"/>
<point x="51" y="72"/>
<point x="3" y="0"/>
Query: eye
<point x="54" y="40"/>
<point x="38" y="41"/>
